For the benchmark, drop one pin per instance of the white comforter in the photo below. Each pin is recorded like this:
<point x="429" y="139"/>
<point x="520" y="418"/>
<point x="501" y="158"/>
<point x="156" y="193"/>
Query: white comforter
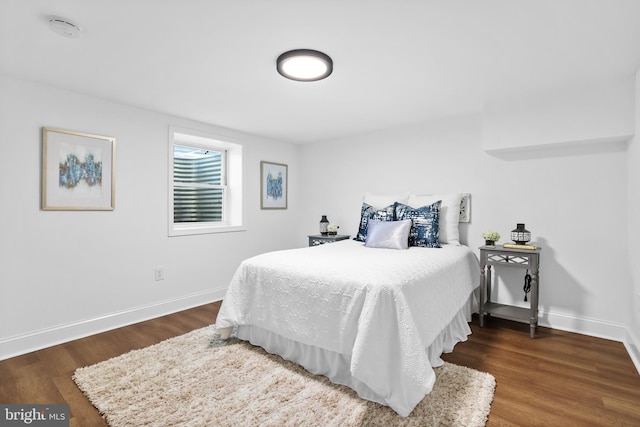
<point x="380" y="307"/>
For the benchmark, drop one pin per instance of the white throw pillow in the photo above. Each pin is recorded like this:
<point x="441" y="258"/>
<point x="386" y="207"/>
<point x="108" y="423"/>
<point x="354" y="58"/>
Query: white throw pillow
<point x="379" y="201"/>
<point x="449" y="213"/>
<point x="388" y="234"/>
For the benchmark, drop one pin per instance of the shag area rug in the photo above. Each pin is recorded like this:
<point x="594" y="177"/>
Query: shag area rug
<point x="184" y="381"/>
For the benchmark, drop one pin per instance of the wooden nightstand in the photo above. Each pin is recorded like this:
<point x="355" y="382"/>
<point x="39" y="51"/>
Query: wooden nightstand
<point x="319" y="239"/>
<point x="513" y="258"/>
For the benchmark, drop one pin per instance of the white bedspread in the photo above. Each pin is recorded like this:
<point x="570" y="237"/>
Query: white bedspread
<point x="382" y="308"/>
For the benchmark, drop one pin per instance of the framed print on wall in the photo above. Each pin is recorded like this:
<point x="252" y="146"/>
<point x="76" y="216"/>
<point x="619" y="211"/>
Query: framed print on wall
<point x="465" y="208"/>
<point x="77" y="171"/>
<point x="273" y="185"/>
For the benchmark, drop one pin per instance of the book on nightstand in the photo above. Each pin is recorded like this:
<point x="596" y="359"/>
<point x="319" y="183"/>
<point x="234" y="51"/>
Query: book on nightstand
<point x="516" y="246"/>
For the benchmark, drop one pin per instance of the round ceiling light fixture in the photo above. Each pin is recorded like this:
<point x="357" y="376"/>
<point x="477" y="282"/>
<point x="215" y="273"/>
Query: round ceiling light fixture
<point x="305" y="65"/>
<point x="64" y="27"/>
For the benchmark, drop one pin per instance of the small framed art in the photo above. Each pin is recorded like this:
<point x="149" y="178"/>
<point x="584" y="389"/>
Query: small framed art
<point x="78" y="170"/>
<point x="273" y="185"/>
<point x="465" y="208"/>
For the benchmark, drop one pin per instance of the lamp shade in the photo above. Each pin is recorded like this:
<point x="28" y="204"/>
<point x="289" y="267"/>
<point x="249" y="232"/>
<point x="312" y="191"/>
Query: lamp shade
<point x="304" y="65"/>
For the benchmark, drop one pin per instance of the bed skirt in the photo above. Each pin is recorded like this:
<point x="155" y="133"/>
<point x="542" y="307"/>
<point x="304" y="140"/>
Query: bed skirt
<point x="337" y="366"/>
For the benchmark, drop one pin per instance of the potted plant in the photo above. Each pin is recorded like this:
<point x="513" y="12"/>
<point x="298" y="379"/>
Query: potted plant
<point x="332" y="229"/>
<point x="490" y="237"/>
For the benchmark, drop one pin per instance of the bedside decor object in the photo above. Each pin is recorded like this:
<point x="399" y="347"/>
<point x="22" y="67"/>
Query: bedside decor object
<point x="520" y="235"/>
<point x="517" y="246"/>
<point x="273" y="185"/>
<point x="324" y="225"/>
<point x="332" y="229"/>
<point x="490" y="237"/>
<point x="77" y="171"/>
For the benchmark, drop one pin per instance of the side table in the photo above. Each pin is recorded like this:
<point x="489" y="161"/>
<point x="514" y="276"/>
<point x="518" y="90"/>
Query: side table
<point x="513" y="258"/>
<point x="321" y="239"/>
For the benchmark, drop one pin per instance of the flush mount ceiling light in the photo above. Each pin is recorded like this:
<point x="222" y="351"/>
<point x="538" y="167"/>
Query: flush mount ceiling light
<point x="305" y="65"/>
<point x="64" y="27"/>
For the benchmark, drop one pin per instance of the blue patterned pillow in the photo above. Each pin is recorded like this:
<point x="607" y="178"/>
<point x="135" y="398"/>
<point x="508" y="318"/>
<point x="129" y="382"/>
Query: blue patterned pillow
<point x="425" y="229"/>
<point x="369" y="212"/>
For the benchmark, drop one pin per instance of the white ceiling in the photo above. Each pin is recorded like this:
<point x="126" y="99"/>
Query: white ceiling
<point x="396" y="62"/>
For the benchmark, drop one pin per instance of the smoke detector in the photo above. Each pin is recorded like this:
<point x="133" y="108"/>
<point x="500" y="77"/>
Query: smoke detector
<point x="64" y="27"/>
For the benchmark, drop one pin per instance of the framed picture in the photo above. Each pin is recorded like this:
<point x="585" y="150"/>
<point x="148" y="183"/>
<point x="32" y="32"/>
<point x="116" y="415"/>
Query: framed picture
<point x="77" y="171"/>
<point x="465" y="208"/>
<point x="273" y="185"/>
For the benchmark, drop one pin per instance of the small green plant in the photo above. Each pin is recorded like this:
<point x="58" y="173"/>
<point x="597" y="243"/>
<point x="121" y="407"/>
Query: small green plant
<point x="494" y="236"/>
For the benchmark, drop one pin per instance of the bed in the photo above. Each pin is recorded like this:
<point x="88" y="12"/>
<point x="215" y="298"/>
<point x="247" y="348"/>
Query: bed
<point x="371" y="318"/>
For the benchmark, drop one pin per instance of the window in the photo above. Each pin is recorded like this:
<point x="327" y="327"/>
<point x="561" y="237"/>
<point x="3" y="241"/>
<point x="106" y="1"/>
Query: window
<point x="205" y="184"/>
<point x="199" y="184"/>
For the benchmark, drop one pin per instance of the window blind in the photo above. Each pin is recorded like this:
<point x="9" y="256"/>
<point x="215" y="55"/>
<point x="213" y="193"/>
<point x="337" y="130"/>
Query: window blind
<point x="199" y="185"/>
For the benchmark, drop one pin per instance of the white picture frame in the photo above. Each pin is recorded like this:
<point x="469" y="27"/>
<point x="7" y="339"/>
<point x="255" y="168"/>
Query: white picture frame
<point x="465" y="208"/>
<point x="78" y="171"/>
<point x="274" y="184"/>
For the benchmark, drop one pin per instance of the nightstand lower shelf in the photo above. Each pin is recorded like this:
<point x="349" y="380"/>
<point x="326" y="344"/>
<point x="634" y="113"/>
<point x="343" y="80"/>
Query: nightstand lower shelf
<point x="507" y="311"/>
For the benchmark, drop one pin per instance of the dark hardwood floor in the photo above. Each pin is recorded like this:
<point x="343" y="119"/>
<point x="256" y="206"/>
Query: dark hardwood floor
<point x="44" y="376"/>
<point x="557" y="379"/>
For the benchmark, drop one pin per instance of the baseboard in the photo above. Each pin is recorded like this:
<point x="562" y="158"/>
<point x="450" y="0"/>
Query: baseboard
<point x="632" y="344"/>
<point x="26" y="343"/>
<point x="594" y="328"/>
<point x="583" y="325"/>
<point x="32" y="341"/>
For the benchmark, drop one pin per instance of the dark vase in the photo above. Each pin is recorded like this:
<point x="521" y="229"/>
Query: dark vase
<point x="520" y="235"/>
<point x="489" y="243"/>
<point x="324" y="224"/>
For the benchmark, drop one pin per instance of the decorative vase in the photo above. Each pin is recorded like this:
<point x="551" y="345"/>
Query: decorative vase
<point x="489" y="243"/>
<point x="520" y="235"/>
<point x="324" y="224"/>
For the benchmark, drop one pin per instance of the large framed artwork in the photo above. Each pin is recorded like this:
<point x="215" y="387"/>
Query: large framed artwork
<point x="78" y="171"/>
<point x="273" y="185"/>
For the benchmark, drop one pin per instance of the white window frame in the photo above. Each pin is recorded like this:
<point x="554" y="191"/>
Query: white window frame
<point x="232" y="204"/>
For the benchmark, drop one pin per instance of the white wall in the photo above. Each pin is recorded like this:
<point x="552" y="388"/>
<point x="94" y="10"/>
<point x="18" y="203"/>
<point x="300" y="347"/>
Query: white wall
<point x="573" y="203"/>
<point x="53" y="287"/>
<point x="568" y="116"/>
<point x="68" y="274"/>
<point x="633" y="331"/>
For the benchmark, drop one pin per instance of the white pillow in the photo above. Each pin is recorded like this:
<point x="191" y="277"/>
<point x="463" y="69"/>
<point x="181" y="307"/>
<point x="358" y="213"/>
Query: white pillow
<point x="449" y="213"/>
<point x="379" y="201"/>
<point x="388" y="234"/>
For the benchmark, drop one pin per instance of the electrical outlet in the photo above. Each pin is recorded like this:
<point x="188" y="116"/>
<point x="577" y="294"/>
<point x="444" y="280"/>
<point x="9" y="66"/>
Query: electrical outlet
<point x="159" y="273"/>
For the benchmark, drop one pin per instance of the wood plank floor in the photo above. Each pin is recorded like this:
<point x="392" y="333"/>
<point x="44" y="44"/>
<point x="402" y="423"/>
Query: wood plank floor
<point x="557" y="379"/>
